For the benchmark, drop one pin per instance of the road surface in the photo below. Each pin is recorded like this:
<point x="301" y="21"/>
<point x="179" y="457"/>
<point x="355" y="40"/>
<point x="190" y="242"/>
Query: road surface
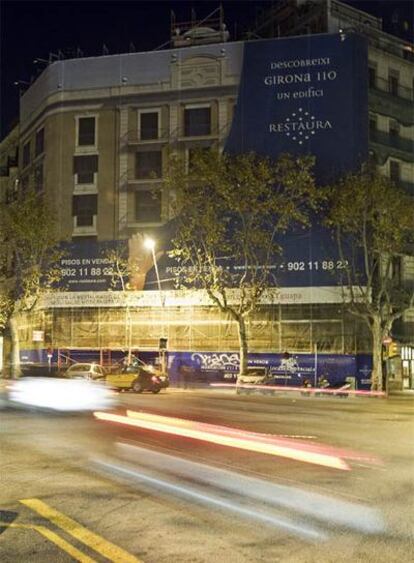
<point x="74" y="488"/>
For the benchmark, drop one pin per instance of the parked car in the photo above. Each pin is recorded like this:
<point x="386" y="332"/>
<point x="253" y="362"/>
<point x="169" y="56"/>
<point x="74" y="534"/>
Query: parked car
<point x="340" y="388"/>
<point x="254" y="376"/>
<point x="138" y="377"/>
<point x="86" y="371"/>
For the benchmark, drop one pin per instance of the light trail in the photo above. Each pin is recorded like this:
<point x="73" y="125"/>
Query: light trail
<point x="304" y="390"/>
<point x="233" y="439"/>
<point x="266" y="517"/>
<point x="254" y="436"/>
<point x="331" y="510"/>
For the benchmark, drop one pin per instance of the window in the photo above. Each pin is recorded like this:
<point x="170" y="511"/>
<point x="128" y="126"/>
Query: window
<point x="372" y="124"/>
<point x="197" y="121"/>
<point x="40" y="142"/>
<point x="394" y="171"/>
<point x="84" y="207"/>
<point x="26" y="154"/>
<point x="24" y="183"/>
<point x="148" y="125"/>
<point x="193" y="152"/>
<point x="397" y="269"/>
<point x="86" y="131"/>
<point x="394" y="129"/>
<point x="372" y="77"/>
<point x="148" y="206"/>
<point x="373" y="131"/>
<point x="38" y="178"/>
<point x="148" y="165"/>
<point x="85" y="168"/>
<point x="393" y="83"/>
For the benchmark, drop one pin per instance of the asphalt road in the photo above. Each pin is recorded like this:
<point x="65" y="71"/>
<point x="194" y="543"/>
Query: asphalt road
<point x="75" y="488"/>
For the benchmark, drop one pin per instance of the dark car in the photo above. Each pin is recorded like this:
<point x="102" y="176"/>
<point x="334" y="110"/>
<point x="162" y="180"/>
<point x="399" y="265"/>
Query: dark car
<point x="138" y="377"/>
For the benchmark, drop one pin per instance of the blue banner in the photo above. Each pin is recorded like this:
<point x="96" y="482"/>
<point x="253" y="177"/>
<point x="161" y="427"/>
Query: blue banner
<point x="305" y="95"/>
<point x="88" y="266"/>
<point x="202" y="368"/>
<point x="310" y="259"/>
<point x="297" y="95"/>
<point x="294" y="370"/>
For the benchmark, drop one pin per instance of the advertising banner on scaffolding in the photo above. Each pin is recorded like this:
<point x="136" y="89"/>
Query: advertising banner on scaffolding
<point x="305" y="95"/>
<point x="301" y="95"/>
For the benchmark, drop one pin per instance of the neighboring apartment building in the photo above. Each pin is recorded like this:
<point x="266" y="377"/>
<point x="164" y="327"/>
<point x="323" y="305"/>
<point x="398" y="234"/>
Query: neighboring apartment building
<point x="94" y="137"/>
<point x="391" y="114"/>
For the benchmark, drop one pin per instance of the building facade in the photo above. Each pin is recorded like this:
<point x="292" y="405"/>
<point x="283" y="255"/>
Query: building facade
<point x="94" y="137"/>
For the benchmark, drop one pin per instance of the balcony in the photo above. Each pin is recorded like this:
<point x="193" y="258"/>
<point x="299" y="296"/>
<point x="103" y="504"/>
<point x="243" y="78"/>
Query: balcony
<point x="397" y="103"/>
<point x="82" y="187"/>
<point x="394" y="145"/>
<point x="160" y="136"/>
<point x="84" y="226"/>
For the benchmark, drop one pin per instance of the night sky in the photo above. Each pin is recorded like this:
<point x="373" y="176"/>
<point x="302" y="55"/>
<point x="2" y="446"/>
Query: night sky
<point x="33" y="29"/>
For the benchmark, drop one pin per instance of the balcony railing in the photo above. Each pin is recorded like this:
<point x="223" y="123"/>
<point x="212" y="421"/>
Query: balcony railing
<point x="132" y="137"/>
<point x="383" y="85"/>
<point x="161" y="135"/>
<point x="394" y="141"/>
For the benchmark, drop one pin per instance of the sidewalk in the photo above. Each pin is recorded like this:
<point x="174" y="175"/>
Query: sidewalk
<point x="405" y="395"/>
<point x="408" y="393"/>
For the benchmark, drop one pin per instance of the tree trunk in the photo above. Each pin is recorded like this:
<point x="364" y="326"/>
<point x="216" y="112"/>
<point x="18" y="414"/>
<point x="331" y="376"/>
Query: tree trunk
<point x="241" y="326"/>
<point x="129" y="335"/>
<point x="377" y="337"/>
<point x="15" y="347"/>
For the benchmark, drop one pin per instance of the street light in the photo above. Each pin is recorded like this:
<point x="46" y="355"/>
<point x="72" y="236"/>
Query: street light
<point x="150" y="244"/>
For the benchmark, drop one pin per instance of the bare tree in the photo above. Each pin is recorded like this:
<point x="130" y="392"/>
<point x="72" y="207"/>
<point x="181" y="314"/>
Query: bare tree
<point x="229" y="212"/>
<point x="30" y="255"/>
<point x="373" y="222"/>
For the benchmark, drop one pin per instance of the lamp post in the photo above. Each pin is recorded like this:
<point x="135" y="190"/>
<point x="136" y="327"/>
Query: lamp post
<point x="149" y="243"/>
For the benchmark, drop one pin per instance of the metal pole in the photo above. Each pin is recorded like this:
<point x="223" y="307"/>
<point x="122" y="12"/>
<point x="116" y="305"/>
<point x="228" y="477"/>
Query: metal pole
<point x="162" y="352"/>
<point x="154" y="258"/>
